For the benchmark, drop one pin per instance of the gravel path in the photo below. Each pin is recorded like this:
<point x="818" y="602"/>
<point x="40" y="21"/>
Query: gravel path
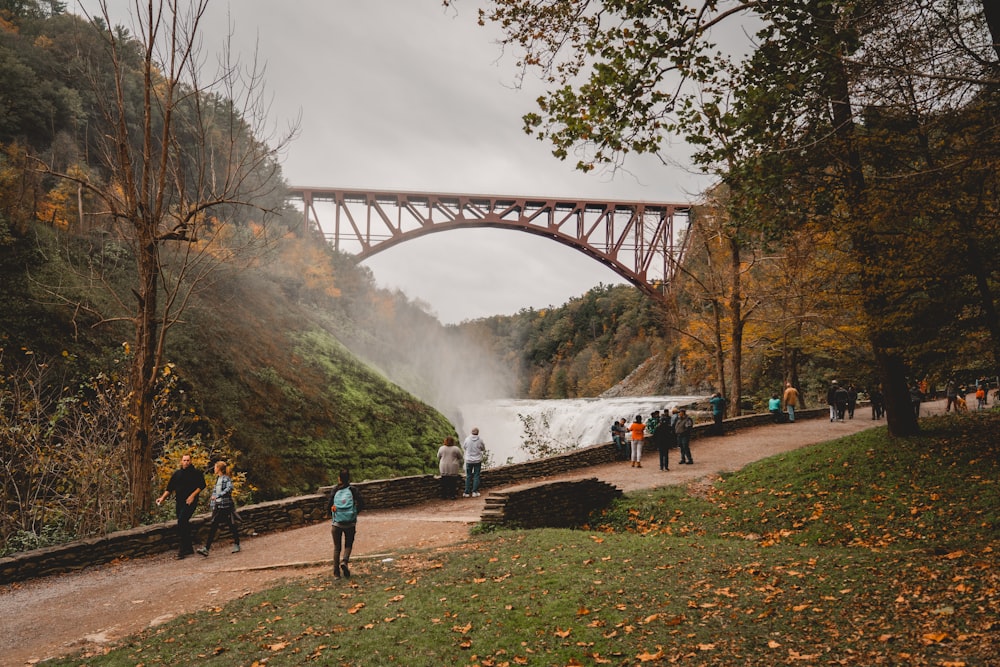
<point x="86" y="610"/>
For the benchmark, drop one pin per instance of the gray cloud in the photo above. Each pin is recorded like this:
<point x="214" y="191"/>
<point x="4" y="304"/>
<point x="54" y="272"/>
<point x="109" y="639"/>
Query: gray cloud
<point x="404" y="94"/>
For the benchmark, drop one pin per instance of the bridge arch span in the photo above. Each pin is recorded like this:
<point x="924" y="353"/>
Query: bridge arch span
<point x="642" y="242"/>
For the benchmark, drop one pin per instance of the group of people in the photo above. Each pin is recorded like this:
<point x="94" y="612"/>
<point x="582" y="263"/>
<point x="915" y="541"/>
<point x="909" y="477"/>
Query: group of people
<point x="663" y="431"/>
<point x="450" y="460"/>
<point x="956" y="393"/>
<point x="842" y="401"/>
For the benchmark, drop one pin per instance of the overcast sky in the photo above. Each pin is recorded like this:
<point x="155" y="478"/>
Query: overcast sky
<point x="406" y="94"/>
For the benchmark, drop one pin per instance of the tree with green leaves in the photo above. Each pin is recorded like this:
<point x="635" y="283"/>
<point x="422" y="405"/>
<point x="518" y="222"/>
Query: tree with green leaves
<point x="780" y="118"/>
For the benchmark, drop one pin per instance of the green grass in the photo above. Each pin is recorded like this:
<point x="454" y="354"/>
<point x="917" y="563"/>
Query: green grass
<point x="861" y="551"/>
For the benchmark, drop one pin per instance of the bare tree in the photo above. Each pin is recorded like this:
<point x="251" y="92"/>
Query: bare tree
<point x="186" y="183"/>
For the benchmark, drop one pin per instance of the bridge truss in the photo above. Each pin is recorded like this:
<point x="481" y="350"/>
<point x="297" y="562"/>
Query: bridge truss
<point x="643" y="242"/>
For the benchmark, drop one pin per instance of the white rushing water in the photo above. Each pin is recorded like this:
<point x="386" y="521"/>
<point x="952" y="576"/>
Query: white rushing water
<point x="563" y="424"/>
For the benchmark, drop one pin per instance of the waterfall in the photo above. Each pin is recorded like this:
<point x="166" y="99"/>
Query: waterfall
<point x="564" y="424"/>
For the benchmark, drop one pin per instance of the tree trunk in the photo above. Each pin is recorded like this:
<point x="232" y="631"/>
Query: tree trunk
<point x="899" y="413"/>
<point x="143" y="377"/>
<point x="900" y="418"/>
<point x="735" y="406"/>
<point x="991" y="10"/>
<point x="720" y="357"/>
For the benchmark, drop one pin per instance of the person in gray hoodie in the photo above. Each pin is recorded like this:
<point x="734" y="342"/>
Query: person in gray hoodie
<point x="475" y="449"/>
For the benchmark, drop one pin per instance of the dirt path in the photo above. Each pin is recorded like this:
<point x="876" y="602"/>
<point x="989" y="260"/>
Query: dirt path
<point x="57" y="615"/>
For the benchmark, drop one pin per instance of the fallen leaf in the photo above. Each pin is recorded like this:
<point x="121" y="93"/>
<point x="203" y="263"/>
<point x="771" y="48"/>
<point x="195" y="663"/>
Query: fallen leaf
<point x="279" y="646"/>
<point x="562" y="633"/>
<point x="647" y="657"/>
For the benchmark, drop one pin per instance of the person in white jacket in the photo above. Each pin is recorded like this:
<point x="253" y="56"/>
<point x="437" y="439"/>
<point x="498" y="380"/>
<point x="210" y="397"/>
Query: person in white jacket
<point x="475" y="449"/>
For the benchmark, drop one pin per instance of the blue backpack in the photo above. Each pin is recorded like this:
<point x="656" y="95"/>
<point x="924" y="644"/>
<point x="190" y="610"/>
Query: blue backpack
<point x="345" y="509"/>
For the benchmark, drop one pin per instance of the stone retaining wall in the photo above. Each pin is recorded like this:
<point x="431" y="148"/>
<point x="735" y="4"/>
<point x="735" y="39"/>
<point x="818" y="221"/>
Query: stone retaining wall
<point x="310" y="509"/>
<point x="548" y="504"/>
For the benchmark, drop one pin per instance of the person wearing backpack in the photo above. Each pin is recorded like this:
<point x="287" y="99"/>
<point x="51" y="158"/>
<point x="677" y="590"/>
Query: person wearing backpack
<point x="345" y="504"/>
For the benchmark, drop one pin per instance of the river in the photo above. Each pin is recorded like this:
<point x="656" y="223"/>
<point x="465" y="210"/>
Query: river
<point x="517" y="430"/>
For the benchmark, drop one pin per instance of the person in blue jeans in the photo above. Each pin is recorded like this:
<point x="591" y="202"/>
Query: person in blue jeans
<point x="475" y="450"/>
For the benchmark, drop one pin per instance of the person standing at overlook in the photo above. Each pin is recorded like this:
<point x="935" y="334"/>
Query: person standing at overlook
<point x="618" y="432"/>
<point x="682" y="428"/>
<point x="475" y="450"/>
<point x="638" y="431"/>
<point x="718" y="404"/>
<point x="450" y="467"/>
<point x="791" y="400"/>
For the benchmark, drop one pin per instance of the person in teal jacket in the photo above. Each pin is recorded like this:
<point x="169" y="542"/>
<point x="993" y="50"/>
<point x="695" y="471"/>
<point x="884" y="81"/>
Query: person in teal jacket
<point x="718" y="404"/>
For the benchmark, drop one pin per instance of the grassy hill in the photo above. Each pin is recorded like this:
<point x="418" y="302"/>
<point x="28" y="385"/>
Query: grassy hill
<point x="259" y="358"/>
<point x="866" y="550"/>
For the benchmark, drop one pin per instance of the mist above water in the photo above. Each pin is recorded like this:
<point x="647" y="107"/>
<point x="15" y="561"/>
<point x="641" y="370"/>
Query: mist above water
<point x="571" y="423"/>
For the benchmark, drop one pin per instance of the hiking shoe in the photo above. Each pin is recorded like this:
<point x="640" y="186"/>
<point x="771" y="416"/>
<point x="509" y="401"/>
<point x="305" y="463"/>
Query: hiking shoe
<point x="236" y="549"/>
<point x="345" y="570"/>
<point x="203" y="551"/>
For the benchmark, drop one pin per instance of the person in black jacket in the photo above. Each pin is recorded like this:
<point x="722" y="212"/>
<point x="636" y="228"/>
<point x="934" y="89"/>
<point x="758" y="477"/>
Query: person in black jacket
<point x="186" y="483"/>
<point x="664" y="438"/>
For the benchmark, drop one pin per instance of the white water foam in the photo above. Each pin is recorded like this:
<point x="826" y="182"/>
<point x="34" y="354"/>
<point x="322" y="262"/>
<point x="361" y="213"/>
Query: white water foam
<point x="572" y="423"/>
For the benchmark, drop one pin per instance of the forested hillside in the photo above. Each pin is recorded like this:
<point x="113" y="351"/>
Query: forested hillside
<point x="136" y="268"/>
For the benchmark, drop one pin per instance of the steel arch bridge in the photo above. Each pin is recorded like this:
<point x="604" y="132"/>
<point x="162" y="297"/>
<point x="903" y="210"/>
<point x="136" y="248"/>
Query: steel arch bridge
<point x="641" y="241"/>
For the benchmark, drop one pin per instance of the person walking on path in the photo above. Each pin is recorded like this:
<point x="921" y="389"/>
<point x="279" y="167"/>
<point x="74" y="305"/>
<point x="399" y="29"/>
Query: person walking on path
<point x="791" y="400"/>
<point x="981" y="396"/>
<point x="852" y="400"/>
<point x="951" y="393"/>
<point x="223" y="509"/>
<point x="345" y="504"/>
<point x="840" y="396"/>
<point x="186" y="483"/>
<point x="450" y="467"/>
<point x="831" y="399"/>
<point x="682" y="429"/>
<point x="878" y="403"/>
<point x="638" y="431"/>
<point x="475" y="450"/>
<point x="718" y="404"/>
